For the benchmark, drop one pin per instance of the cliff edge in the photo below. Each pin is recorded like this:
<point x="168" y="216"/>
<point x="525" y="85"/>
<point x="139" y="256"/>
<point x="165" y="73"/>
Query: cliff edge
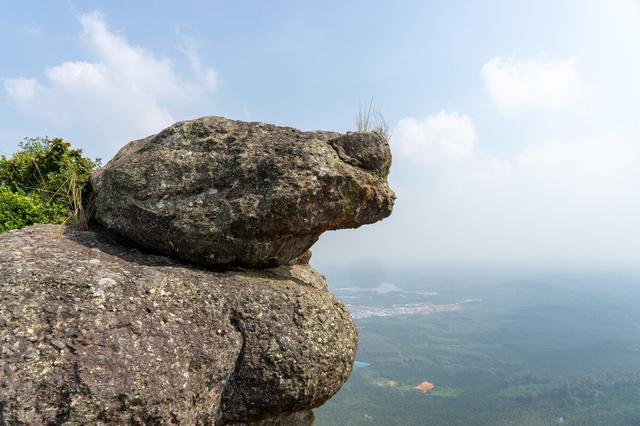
<point x="191" y="300"/>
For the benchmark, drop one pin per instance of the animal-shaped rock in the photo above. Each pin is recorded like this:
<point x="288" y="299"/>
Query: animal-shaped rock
<point x="227" y="193"/>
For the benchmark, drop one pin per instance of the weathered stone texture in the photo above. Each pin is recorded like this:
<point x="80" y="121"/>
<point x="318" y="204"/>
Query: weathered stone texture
<point x="227" y="193"/>
<point x="93" y="332"/>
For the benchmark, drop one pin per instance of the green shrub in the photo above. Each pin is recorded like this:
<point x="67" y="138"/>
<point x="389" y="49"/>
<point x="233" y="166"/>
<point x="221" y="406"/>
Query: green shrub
<point x="20" y="210"/>
<point x="43" y="182"/>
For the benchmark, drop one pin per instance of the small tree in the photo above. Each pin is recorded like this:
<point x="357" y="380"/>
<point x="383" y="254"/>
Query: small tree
<point x="43" y="182"/>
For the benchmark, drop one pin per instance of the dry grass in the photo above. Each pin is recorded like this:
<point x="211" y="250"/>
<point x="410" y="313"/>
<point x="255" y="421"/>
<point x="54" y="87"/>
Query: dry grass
<point x="381" y="127"/>
<point x="70" y="192"/>
<point x="80" y="211"/>
<point x="363" y="119"/>
<point x="370" y="120"/>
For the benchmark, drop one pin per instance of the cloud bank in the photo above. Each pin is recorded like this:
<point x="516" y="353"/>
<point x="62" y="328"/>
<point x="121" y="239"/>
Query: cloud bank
<point x="513" y="83"/>
<point x="436" y="138"/>
<point x="550" y="201"/>
<point x="554" y="203"/>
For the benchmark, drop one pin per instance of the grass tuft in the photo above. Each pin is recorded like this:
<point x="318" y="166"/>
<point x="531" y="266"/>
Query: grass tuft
<point x="363" y="119"/>
<point x="370" y="120"/>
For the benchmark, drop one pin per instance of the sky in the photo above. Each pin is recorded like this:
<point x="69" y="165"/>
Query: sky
<point x="514" y="123"/>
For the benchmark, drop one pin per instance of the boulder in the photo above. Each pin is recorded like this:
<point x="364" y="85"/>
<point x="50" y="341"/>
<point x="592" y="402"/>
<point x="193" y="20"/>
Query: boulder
<point x="95" y="332"/>
<point x="225" y="193"/>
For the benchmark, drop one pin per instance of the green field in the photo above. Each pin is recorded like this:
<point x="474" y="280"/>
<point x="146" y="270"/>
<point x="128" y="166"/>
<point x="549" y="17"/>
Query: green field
<point x="551" y="350"/>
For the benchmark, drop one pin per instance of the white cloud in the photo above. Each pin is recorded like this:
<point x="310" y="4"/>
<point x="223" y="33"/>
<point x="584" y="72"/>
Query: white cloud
<point x="442" y="135"/>
<point x="553" y="201"/>
<point x="208" y="76"/>
<point x="125" y="93"/>
<point x="514" y="83"/>
<point x="21" y="89"/>
<point x="79" y="76"/>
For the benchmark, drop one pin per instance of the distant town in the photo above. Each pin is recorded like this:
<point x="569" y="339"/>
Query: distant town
<point x="363" y="311"/>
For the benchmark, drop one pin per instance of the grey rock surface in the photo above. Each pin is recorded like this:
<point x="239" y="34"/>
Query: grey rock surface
<point x="299" y="418"/>
<point x="227" y="193"/>
<point x="95" y="332"/>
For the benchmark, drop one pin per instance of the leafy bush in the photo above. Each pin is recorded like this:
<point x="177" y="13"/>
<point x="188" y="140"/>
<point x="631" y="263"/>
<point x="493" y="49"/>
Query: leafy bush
<point x="43" y="182"/>
<point x="20" y="210"/>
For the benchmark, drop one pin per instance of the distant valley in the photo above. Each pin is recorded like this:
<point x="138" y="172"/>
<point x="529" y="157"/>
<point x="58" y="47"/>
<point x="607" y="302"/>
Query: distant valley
<point x="549" y="349"/>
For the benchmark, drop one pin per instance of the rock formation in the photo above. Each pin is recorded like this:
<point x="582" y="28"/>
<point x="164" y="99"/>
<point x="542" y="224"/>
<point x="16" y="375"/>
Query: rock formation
<point x="226" y="193"/>
<point x="94" y="330"/>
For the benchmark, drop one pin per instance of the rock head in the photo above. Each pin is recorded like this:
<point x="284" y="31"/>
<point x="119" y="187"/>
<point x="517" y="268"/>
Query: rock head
<point x="227" y="193"/>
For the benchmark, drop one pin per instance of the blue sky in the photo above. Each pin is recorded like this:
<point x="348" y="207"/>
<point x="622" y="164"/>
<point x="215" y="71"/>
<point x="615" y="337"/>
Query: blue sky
<point x="515" y="130"/>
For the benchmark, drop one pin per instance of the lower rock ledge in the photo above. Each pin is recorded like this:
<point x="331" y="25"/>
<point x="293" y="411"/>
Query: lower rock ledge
<point x="299" y="418"/>
<point x="94" y="332"/>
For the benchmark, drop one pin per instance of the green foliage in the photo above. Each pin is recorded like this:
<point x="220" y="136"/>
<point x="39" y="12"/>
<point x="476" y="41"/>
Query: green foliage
<point x="557" y="352"/>
<point x="47" y="167"/>
<point x="20" y="210"/>
<point x="43" y="182"/>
